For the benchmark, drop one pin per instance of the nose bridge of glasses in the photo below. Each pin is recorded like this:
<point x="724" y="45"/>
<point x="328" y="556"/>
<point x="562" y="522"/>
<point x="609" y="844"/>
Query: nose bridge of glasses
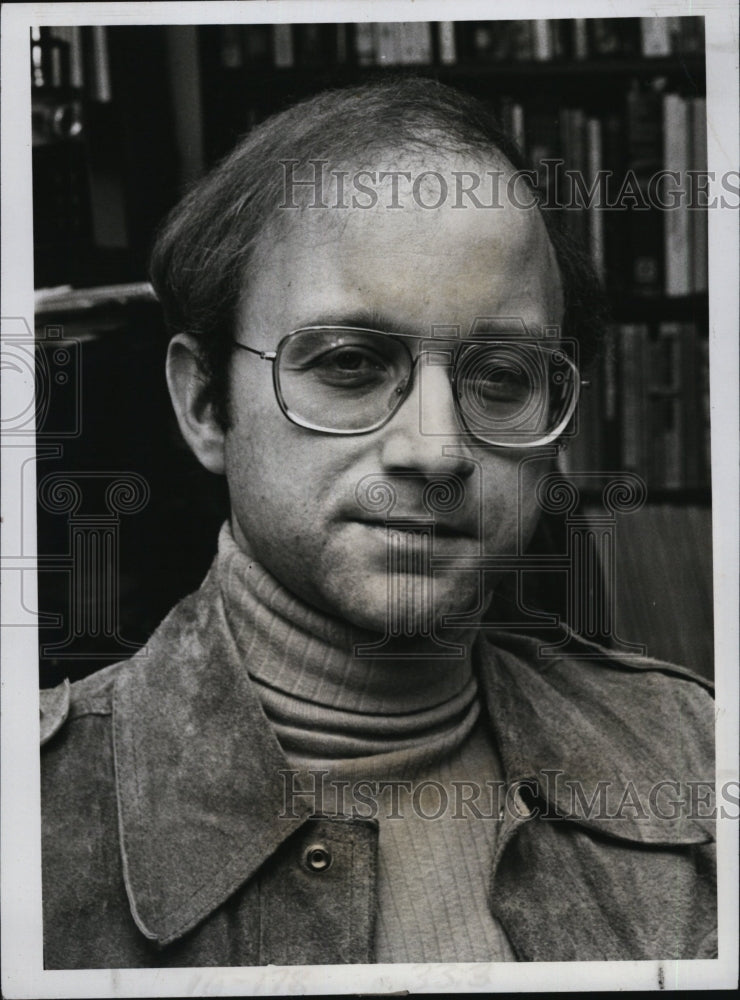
<point x="432" y="389"/>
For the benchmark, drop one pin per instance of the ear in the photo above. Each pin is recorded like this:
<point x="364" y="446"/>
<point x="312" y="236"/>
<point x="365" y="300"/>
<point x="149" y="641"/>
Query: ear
<point x="195" y="414"/>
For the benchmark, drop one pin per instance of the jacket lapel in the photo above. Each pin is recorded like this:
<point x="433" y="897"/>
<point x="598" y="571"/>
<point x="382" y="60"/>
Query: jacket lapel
<point x="200" y="796"/>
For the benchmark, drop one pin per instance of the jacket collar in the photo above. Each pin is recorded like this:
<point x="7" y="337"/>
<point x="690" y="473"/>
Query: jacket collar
<point x="200" y="794"/>
<point x="607" y="742"/>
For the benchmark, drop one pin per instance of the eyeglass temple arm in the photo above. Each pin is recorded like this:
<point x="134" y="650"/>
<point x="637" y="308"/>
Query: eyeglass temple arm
<point x="265" y="355"/>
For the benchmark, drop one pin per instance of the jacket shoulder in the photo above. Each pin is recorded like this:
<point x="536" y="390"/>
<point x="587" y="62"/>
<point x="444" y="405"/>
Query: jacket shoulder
<point x="53" y="710"/>
<point x="647" y="709"/>
<point x="583" y="652"/>
<point x="93" y="695"/>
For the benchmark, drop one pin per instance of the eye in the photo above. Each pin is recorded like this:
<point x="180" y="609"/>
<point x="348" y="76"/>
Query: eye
<point x="351" y="359"/>
<point x="502" y="383"/>
<point x="495" y="381"/>
<point x="350" y="365"/>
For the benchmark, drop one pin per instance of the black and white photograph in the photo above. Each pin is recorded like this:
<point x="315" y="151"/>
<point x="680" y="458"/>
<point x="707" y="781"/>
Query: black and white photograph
<point x="320" y="683"/>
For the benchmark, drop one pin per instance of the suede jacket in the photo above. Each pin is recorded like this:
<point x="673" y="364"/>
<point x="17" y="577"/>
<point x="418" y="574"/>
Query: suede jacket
<point x="166" y="839"/>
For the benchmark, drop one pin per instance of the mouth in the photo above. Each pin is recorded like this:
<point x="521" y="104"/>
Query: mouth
<point x="441" y="530"/>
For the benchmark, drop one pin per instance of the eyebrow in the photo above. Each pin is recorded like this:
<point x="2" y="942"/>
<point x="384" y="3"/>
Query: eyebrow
<point x="373" y="319"/>
<point x="366" y="319"/>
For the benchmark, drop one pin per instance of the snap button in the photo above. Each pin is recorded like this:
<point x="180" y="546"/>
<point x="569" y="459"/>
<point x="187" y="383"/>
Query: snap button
<point x="317" y="858"/>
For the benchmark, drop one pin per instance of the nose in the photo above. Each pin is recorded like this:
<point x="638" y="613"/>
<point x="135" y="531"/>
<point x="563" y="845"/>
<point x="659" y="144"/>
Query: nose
<point x="425" y="434"/>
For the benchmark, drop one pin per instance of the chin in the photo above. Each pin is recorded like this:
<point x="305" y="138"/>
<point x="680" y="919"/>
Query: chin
<point x="409" y="605"/>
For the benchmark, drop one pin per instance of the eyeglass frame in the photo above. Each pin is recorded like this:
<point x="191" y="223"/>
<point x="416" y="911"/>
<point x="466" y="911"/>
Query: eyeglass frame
<point x="274" y="356"/>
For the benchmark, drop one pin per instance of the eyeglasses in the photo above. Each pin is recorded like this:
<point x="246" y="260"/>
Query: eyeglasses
<point x="513" y="393"/>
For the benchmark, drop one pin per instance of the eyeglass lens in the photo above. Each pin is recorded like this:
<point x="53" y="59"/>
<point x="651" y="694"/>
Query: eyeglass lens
<point x="353" y="380"/>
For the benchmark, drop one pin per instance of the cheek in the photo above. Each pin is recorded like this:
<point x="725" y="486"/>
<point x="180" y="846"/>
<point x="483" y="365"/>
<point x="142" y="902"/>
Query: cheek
<point x="281" y="479"/>
<point x="509" y="506"/>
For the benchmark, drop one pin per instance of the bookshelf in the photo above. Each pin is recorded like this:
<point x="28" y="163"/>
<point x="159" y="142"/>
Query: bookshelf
<point x="125" y="118"/>
<point x="103" y="165"/>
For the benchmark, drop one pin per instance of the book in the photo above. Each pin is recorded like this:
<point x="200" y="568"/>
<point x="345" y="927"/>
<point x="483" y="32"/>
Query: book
<point x="387" y="44"/>
<point x="96" y="63"/>
<point x="365" y="43"/>
<point x="559" y="38"/>
<point x="37" y="59"/>
<point x="617" y="250"/>
<point x="511" y="115"/>
<point x="101" y="65"/>
<point x="414" y="43"/>
<point x="543" y="142"/>
<point x="633" y="396"/>
<point x="257" y="46"/>
<point x="698" y="214"/>
<point x="447" y="45"/>
<point x="572" y="138"/>
<point x="595" y="215"/>
<point x="542" y="41"/>
<point x="644" y="145"/>
<point x="232" y="56"/>
<point x="56" y="52"/>
<point x="704" y="470"/>
<point x="518" y="125"/>
<point x="690" y="35"/>
<point x="666" y="423"/>
<point x="71" y="37"/>
<point x="522" y="40"/>
<point x="501" y="41"/>
<point x="691" y="416"/>
<point x="282" y="42"/>
<point x="342" y="44"/>
<point x="655" y="37"/>
<point x="677" y="243"/>
<point x="580" y="47"/>
<point x="606" y="37"/>
<point x="675" y="34"/>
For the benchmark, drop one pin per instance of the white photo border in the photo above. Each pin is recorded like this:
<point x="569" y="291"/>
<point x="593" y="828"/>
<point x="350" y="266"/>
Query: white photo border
<point x="23" y="975"/>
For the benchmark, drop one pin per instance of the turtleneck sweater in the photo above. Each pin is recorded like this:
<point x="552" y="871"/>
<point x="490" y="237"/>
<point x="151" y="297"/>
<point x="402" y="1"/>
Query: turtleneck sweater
<point x="397" y="738"/>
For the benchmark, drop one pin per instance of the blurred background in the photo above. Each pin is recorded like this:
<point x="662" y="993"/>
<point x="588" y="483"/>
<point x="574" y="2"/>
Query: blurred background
<point x="126" y="119"/>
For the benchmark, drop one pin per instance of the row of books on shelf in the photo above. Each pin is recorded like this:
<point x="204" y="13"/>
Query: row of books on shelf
<point x="578" y="38"/>
<point x="316" y="46"/>
<point x="646" y="409"/>
<point x="628" y="184"/>
<point x="446" y="43"/>
<point x="72" y="57"/>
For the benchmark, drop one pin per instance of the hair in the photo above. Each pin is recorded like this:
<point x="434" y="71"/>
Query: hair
<point x="200" y="262"/>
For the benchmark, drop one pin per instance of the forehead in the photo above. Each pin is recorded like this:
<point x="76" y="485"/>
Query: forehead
<point x="398" y="238"/>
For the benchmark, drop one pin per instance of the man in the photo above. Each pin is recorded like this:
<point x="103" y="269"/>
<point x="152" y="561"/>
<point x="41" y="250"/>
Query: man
<point x="300" y="767"/>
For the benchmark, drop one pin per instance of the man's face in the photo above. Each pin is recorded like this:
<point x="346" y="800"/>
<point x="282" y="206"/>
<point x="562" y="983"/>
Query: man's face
<point x="293" y="490"/>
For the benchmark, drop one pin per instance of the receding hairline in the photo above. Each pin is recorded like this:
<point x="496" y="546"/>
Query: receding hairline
<point x="447" y="158"/>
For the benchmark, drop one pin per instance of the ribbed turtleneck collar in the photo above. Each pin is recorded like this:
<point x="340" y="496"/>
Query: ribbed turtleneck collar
<point x="323" y="700"/>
